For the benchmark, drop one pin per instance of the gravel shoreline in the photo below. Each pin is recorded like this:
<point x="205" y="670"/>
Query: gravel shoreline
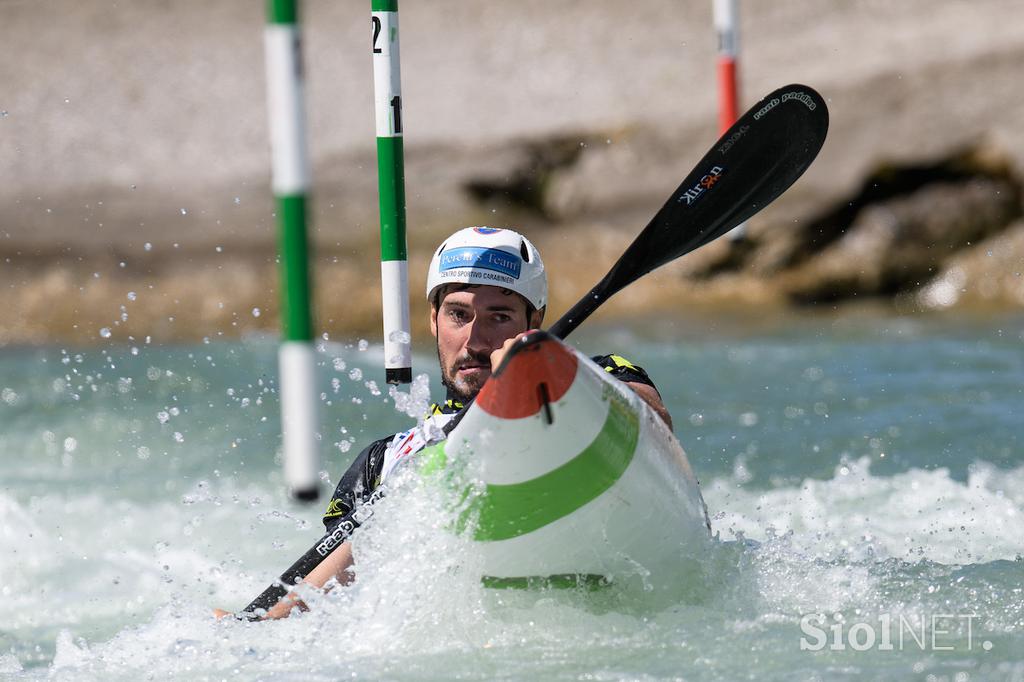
<point x="144" y="124"/>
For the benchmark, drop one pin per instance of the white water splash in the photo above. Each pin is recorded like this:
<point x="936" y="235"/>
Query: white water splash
<point x="416" y="401"/>
<point x="913" y="515"/>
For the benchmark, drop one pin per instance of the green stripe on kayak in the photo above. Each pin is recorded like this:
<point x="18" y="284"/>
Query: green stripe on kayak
<point x="508" y="511"/>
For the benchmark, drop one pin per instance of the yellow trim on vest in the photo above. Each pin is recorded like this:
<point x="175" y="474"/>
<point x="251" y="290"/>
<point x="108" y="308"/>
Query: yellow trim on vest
<point x="620" y="362"/>
<point x="336" y="508"/>
<point x="436" y="409"/>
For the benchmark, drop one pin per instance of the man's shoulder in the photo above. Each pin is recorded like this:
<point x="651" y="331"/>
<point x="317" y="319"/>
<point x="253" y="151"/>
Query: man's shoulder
<point x="623" y="369"/>
<point x="359" y="480"/>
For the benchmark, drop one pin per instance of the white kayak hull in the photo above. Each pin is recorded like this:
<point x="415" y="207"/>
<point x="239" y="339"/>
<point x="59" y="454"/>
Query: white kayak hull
<point x="578" y="477"/>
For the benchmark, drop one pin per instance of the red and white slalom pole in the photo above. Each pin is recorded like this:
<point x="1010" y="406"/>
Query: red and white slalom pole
<point x="726" y="19"/>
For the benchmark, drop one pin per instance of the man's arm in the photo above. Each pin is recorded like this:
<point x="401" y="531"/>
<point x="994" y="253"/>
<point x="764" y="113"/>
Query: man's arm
<point x="336" y="565"/>
<point x="638" y="381"/>
<point x="355" y="487"/>
<point x="650" y="395"/>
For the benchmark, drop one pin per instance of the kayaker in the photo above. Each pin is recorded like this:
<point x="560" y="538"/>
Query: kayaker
<point x="486" y="287"/>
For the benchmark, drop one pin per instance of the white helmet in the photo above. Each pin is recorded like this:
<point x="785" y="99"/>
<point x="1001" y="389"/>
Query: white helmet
<point x="491" y="256"/>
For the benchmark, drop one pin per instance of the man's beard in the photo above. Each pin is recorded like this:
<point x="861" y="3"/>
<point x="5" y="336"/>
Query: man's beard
<point x="465" y="390"/>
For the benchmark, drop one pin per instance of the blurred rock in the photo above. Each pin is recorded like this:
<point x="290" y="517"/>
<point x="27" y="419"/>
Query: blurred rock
<point x="990" y="273"/>
<point x="902" y="227"/>
<point x="902" y="243"/>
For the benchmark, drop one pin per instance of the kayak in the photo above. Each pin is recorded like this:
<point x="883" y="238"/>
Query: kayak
<point x="575" y="478"/>
<point x="562" y="477"/>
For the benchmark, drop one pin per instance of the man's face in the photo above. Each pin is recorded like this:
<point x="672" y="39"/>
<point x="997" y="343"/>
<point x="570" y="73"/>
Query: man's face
<point x="469" y="325"/>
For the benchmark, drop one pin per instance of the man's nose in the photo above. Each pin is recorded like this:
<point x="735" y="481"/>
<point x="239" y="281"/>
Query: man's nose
<point x="478" y="340"/>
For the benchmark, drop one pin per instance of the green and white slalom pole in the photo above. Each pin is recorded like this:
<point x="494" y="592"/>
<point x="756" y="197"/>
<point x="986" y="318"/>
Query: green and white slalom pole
<point x="394" y="270"/>
<point x="291" y="180"/>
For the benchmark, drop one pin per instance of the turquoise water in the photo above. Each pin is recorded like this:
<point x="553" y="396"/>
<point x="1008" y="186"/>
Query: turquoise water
<point x="864" y="475"/>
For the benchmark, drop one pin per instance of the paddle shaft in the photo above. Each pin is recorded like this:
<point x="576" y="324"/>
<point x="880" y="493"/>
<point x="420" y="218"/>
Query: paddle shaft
<point x="755" y="161"/>
<point x="582" y="310"/>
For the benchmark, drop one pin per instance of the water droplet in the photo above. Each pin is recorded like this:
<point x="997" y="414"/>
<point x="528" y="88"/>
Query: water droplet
<point x="399" y="336"/>
<point x="255" y="312"/>
<point x="105" y="332"/>
<point x="184" y="212"/>
<point x="355" y="374"/>
<point x="238" y="200"/>
<point x="178" y="437"/>
<point x="363" y="344"/>
<point x="147" y="246"/>
<point x="163" y="417"/>
<point x="748" y="419"/>
<point x="132" y="295"/>
<point x="219" y="249"/>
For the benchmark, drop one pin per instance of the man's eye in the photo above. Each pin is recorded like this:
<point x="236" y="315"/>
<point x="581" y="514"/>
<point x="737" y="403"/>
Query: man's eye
<point x="457" y="315"/>
<point x="502" y="318"/>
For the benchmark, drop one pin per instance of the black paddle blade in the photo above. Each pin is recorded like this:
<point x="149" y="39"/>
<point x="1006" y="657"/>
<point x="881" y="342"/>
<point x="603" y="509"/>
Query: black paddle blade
<point x="753" y="163"/>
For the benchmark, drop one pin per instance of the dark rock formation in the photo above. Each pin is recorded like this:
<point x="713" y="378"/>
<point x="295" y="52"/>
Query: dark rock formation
<point x="893" y="236"/>
<point x="899" y="244"/>
<point x="525" y="184"/>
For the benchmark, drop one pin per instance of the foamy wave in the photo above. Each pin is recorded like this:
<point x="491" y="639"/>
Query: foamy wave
<point x="417" y="602"/>
<point x="913" y="515"/>
<point x="107" y="562"/>
<point x="417" y="589"/>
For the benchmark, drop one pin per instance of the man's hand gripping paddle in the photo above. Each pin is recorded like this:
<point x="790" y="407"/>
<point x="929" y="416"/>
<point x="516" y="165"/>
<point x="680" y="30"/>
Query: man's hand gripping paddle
<point x="753" y="163"/>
